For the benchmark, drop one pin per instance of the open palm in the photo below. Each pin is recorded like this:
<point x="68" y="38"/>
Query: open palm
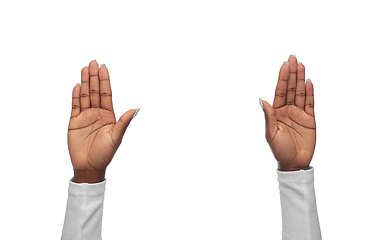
<point x="290" y="122"/>
<point x="93" y="133"/>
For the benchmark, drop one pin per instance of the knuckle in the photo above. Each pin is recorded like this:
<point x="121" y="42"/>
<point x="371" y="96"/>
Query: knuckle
<point x="106" y="94"/>
<point x="280" y="92"/>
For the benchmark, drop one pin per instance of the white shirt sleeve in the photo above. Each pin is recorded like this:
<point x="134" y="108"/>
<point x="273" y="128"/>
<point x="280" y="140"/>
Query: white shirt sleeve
<point x="84" y="212"/>
<point x="298" y="201"/>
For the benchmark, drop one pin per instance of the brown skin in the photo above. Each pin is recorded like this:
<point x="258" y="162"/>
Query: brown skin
<point x="290" y="122"/>
<point x="93" y="133"/>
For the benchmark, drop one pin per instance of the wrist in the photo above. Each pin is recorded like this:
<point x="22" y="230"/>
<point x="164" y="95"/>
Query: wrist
<point x="292" y="168"/>
<point x="88" y="176"/>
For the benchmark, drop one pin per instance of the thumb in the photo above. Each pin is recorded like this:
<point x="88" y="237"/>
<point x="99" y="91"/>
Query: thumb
<point x="122" y="124"/>
<point x="271" y="121"/>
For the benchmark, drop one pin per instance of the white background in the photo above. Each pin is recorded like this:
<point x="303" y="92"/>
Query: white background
<point x="194" y="163"/>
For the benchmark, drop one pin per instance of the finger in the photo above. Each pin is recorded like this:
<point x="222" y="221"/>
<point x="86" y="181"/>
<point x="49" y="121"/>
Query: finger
<point x="291" y="87"/>
<point x="309" y="98"/>
<point x="271" y="121"/>
<point x="75" y="101"/>
<point x="94" y="84"/>
<point x="281" y="87"/>
<point x="121" y="126"/>
<point x="105" y="89"/>
<point x="85" y="102"/>
<point x="300" y="87"/>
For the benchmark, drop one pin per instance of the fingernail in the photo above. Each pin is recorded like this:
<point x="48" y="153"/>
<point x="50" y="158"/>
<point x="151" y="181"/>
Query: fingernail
<point x="261" y="103"/>
<point x="308" y="80"/>
<point x="78" y="84"/>
<point x="103" y="65"/>
<point x="135" y="114"/>
<point x="93" y="60"/>
<point x="300" y="63"/>
<point x="292" y="55"/>
<point x="286" y="63"/>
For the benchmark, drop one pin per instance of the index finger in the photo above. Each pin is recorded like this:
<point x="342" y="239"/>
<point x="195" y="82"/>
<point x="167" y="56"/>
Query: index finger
<point x="105" y="89"/>
<point x="309" y="98"/>
<point x="281" y="87"/>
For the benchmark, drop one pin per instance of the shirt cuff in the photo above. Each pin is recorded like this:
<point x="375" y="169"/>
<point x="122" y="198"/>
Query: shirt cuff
<point x="80" y="189"/>
<point x="301" y="175"/>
